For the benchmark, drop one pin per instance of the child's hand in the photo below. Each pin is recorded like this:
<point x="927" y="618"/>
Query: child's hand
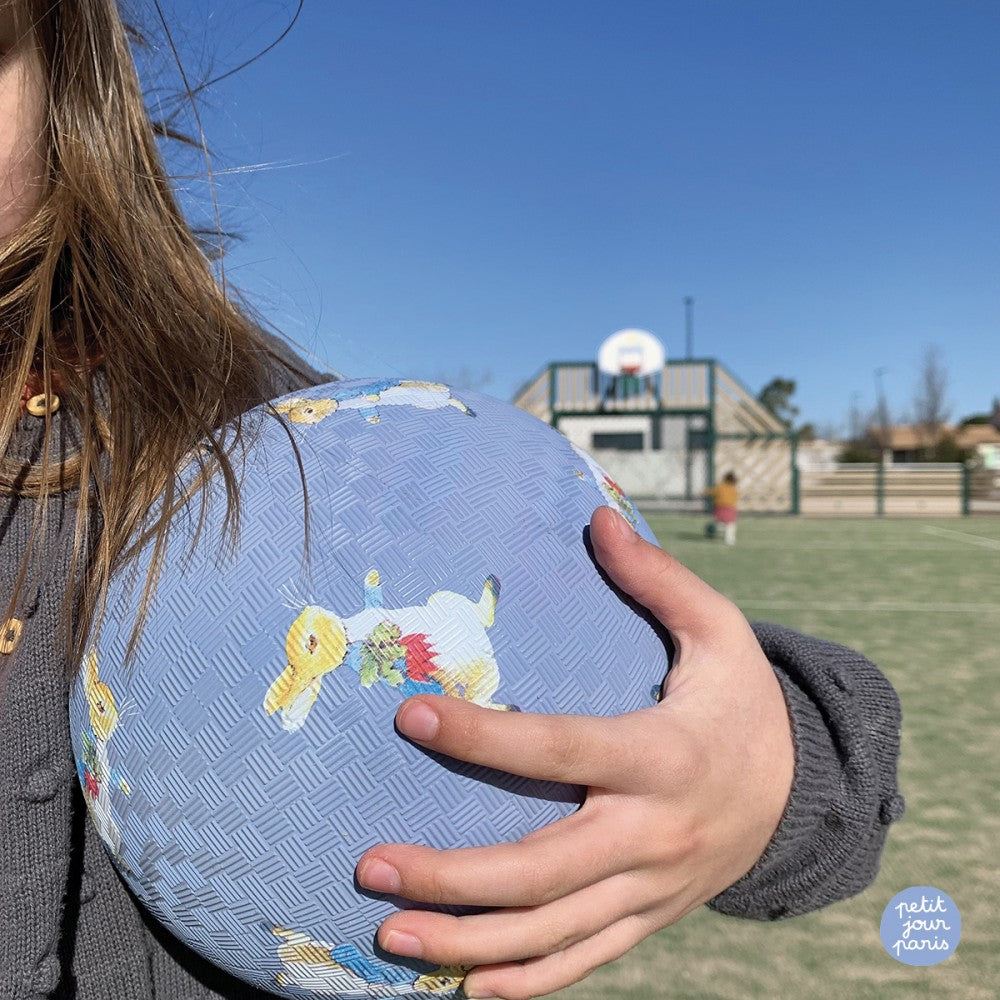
<point x="682" y="800"/>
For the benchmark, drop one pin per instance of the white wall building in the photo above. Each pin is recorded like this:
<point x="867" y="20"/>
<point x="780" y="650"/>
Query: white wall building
<point x="669" y="436"/>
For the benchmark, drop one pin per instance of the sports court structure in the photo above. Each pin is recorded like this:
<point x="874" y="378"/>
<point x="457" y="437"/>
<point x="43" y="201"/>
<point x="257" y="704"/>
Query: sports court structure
<point x="669" y="435"/>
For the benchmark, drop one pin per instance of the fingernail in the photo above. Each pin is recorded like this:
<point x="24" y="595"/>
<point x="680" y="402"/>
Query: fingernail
<point x="418" y="721"/>
<point x="379" y="876"/>
<point x="625" y="530"/>
<point x="403" y="944"/>
<point x="477" y="993"/>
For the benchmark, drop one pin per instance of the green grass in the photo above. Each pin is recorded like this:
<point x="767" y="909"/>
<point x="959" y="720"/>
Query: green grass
<point x="922" y="599"/>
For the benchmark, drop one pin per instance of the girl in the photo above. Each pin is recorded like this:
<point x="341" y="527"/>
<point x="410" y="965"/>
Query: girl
<point x="725" y="499"/>
<point x="763" y="783"/>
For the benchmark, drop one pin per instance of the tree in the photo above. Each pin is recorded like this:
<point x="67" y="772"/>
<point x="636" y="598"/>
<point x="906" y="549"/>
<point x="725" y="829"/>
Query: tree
<point x="860" y="451"/>
<point x="930" y="406"/>
<point x="776" y="397"/>
<point x="946" y="449"/>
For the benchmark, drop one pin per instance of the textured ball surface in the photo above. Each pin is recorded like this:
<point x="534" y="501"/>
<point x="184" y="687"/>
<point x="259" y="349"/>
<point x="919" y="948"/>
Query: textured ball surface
<point x="239" y="767"/>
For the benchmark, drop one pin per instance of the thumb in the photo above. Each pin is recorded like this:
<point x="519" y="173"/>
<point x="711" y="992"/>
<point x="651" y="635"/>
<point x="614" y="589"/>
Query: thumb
<point x="682" y="601"/>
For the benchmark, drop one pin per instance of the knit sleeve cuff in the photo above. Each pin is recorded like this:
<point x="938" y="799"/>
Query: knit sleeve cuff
<point x="845" y="720"/>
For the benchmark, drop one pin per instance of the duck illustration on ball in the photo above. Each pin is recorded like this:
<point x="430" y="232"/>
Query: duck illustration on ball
<point x="97" y="776"/>
<point x="441" y="647"/>
<point x="327" y="970"/>
<point x="367" y="399"/>
<point x="614" y="495"/>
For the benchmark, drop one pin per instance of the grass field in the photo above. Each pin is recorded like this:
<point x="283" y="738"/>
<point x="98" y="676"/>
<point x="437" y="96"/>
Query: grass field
<point x="922" y="599"/>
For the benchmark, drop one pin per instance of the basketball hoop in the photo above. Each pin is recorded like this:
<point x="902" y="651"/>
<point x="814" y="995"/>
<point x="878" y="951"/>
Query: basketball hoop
<point x="633" y="353"/>
<point x="630" y="363"/>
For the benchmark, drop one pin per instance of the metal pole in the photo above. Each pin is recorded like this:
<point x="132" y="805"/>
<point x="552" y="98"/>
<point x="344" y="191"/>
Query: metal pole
<point x="883" y="410"/>
<point x="796" y="505"/>
<point x="710" y="434"/>
<point x="689" y="327"/>
<point x="689" y="346"/>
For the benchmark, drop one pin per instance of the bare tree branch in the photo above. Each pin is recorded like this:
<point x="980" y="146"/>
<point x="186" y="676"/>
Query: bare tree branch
<point x="930" y="405"/>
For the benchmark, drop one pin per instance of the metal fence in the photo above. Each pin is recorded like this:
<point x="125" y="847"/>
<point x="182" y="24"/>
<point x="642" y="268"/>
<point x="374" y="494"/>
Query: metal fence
<point x="915" y="490"/>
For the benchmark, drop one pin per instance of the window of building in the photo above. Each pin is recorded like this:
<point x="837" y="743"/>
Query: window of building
<point x="619" y="441"/>
<point x="697" y="439"/>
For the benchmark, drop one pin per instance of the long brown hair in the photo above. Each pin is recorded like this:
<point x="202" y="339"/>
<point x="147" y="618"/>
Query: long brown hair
<point x="107" y="292"/>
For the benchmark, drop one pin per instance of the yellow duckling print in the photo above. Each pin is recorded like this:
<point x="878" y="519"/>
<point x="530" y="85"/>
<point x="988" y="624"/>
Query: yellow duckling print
<point x="331" y="970"/>
<point x="306" y="411"/>
<point x="441" y="647"/>
<point x="368" y="397"/>
<point x="93" y="766"/>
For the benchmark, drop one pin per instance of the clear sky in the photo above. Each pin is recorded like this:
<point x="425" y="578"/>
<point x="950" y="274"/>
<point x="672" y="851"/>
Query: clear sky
<point x="470" y="189"/>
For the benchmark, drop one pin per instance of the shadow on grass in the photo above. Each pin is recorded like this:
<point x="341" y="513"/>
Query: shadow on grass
<point x="692" y="536"/>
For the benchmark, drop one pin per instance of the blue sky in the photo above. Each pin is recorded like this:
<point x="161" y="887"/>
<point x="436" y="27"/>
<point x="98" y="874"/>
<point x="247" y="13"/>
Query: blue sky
<point x="470" y="190"/>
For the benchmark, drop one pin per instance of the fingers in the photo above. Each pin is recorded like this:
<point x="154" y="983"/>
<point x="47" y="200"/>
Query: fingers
<point x="539" y="976"/>
<point x="573" y="749"/>
<point x="681" y="600"/>
<point x="513" y="934"/>
<point x="555" y="861"/>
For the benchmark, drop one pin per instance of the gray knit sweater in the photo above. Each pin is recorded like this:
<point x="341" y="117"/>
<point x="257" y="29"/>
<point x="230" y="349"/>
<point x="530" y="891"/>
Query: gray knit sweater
<point x="70" y="929"/>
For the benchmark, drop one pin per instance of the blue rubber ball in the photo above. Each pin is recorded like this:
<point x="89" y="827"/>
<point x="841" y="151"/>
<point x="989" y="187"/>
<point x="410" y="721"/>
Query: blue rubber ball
<point x="239" y="766"/>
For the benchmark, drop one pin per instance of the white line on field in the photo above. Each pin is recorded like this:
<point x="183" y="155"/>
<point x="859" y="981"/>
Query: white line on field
<point x="793" y="543"/>
<point x="962" y="536"/>
<point x="877" y="606"/>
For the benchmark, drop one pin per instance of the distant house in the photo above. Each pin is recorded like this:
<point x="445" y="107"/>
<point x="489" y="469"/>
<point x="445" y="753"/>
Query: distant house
<point x="983" y="440"/>
<point x="910" y="442"/>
